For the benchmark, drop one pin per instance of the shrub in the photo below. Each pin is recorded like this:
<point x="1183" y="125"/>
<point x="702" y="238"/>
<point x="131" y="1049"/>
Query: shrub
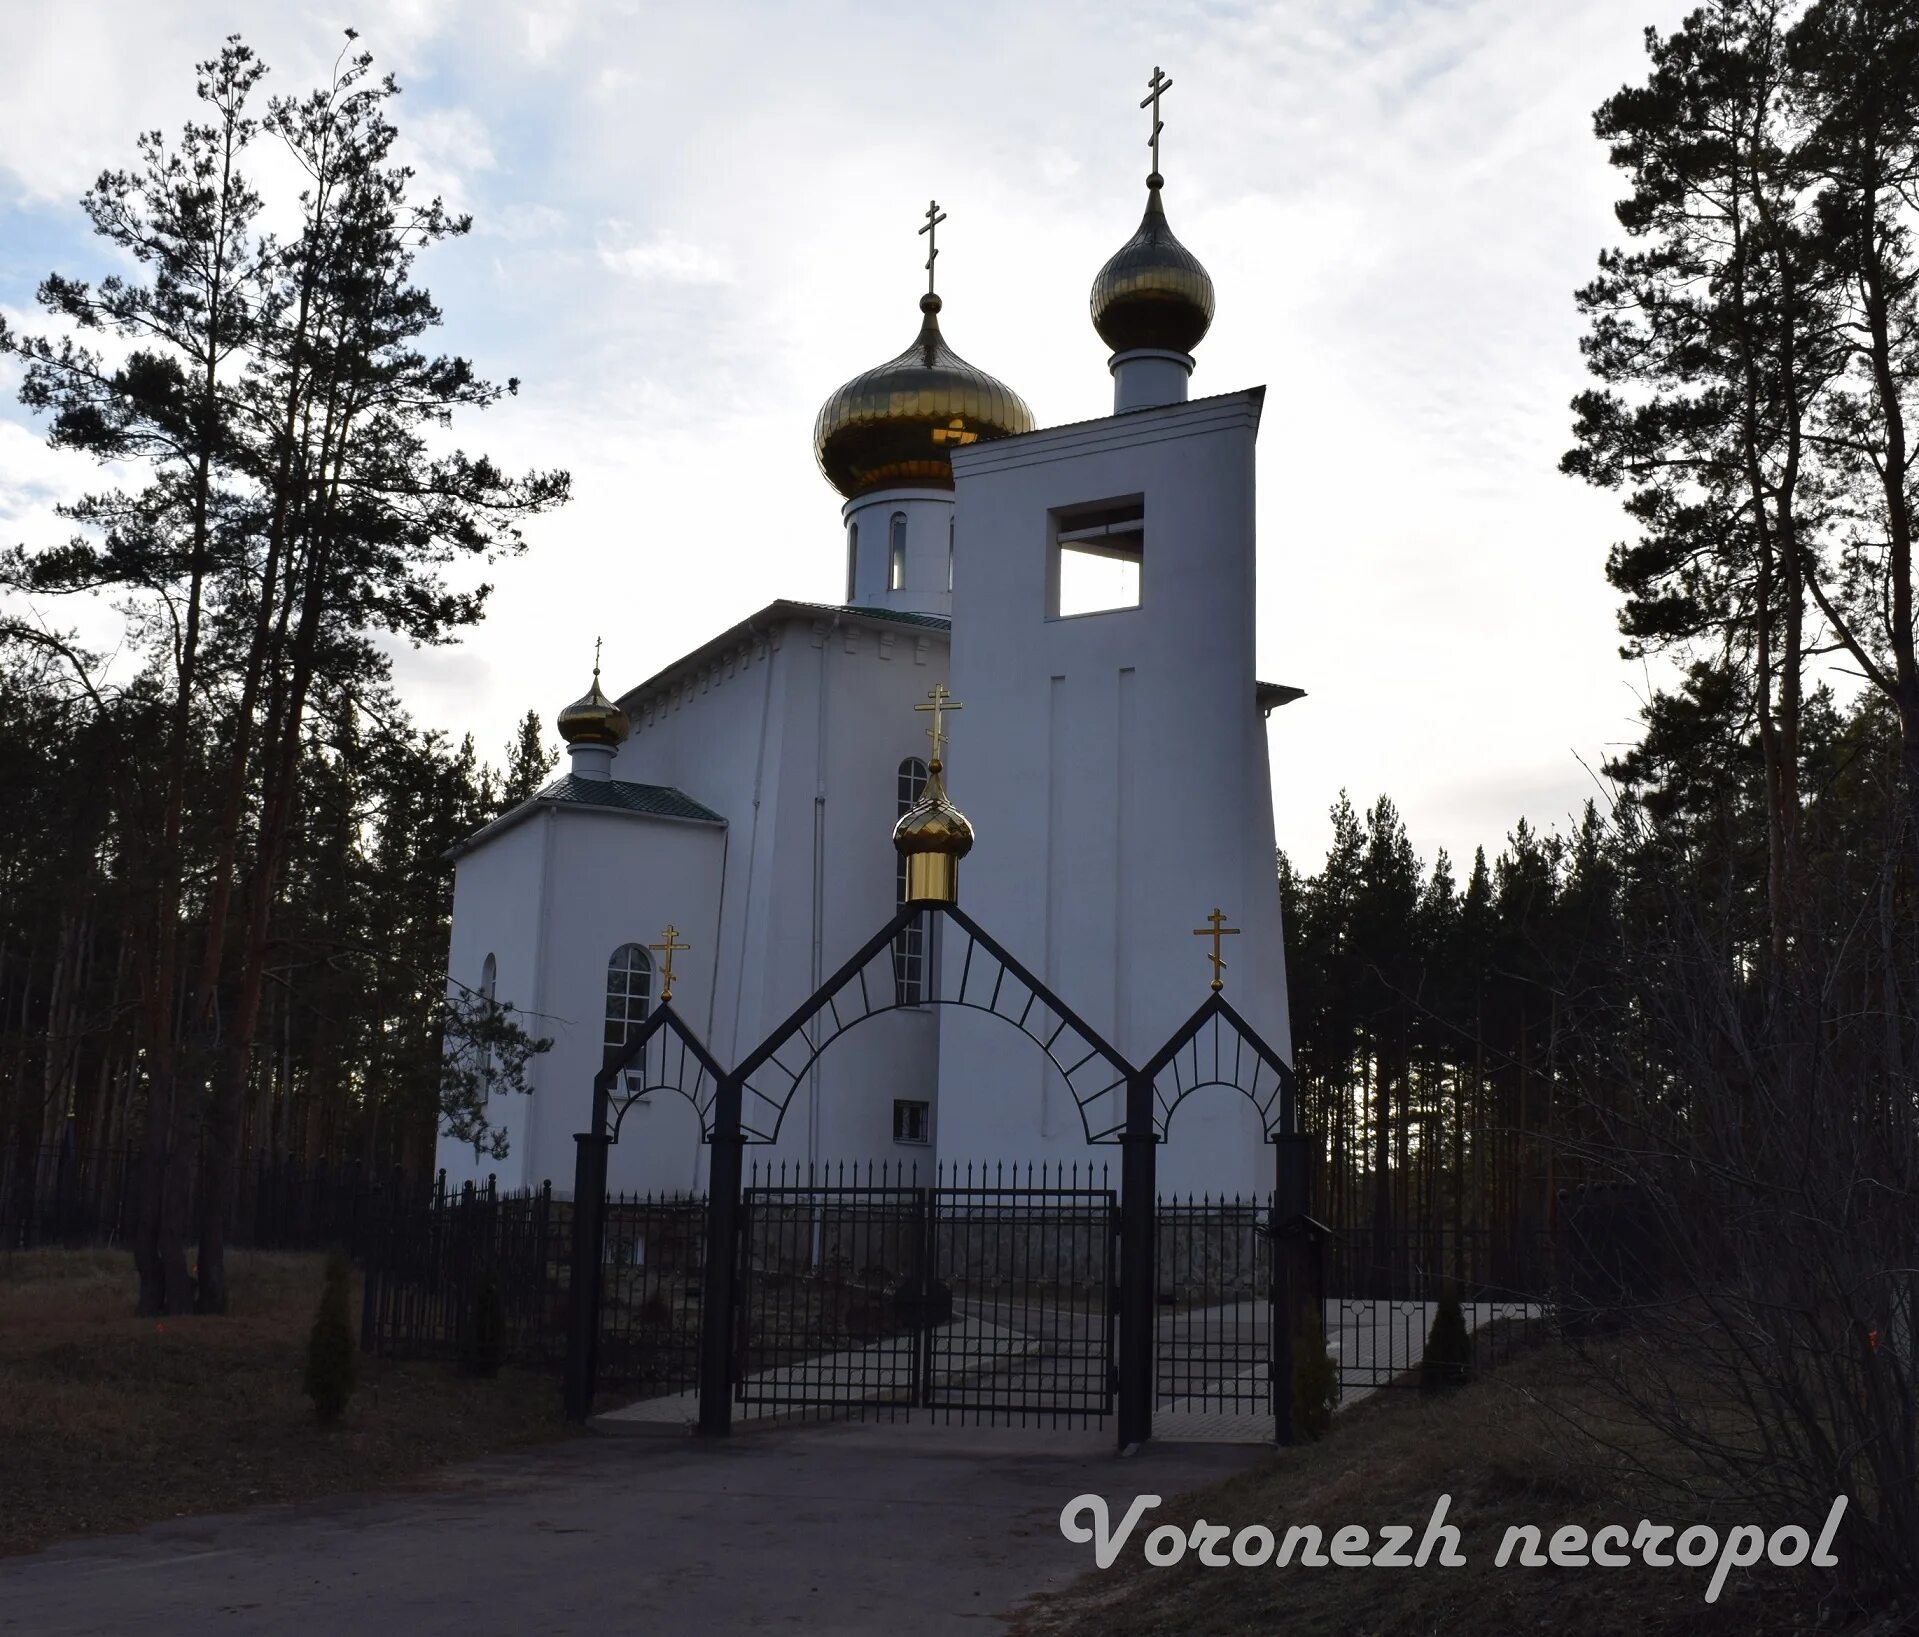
<point x="329" y="1372"/>
<point x="1448" y="1359"/>
<point x="485" y="1348"/>
<point x="1315" y="1380"/>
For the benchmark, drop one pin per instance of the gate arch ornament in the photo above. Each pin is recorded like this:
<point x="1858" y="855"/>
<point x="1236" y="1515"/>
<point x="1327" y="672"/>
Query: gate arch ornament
<point x="1218" y="1047"/>
<point x="972" y="970"/>
<point x="663" y="1054"/>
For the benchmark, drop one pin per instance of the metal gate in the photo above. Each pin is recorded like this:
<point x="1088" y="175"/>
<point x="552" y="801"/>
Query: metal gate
<point x="985" y="1299"/>
<point x="1214" y="1290"/>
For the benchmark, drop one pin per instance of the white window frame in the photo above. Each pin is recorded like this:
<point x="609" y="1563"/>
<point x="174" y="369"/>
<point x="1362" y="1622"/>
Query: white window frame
<point x="625" y="963"/>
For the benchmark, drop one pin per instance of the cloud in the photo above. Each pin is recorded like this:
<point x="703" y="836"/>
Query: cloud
<point x="692" y="223"/>
<point x="665" y="257"/>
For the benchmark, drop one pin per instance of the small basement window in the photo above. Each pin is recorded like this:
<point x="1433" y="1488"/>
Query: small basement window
<point x="1098" y="556"/>
<point x="910" y="1121"/>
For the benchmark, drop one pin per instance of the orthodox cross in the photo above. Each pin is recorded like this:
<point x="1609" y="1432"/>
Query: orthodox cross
<point x="942" y="701"/>
<point x="667" y="947"/>
<point x="934" y="216"/>
<point x="596" y="659"/>
<point x="1160" y="85"/>
<point x="1216" y="929"/>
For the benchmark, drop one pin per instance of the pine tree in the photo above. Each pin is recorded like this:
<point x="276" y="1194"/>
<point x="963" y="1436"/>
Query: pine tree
<point x="529" y="759"/>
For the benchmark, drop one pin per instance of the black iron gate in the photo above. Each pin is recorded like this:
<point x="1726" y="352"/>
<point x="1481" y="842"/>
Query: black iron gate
<point x="982" y="1299"/>
<point x="1214" y="1292"/>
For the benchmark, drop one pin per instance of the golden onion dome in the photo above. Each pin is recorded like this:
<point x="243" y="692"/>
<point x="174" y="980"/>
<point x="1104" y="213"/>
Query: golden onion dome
<point x="1154" y="292"/>
<point x="594" y="719"/>
<point x="933" y="824"/>
<point x="933" y="836"/>
<point x="898" y="424"/>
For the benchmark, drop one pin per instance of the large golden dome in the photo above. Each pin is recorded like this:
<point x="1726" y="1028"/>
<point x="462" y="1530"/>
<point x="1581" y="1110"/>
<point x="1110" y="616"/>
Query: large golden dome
<point x="897" y="425"/>
<point x="594" y="719"/>
<point x="1154" y="292"/>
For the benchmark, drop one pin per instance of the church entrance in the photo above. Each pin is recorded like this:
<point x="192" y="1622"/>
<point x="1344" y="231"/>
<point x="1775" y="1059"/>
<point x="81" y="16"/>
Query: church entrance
<point x="1031" y="1297"/>
<point x="984" y="1298"/>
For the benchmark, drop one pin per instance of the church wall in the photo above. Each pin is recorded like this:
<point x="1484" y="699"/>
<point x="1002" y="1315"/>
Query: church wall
<point x="497" y="910"/>
<point x="798" y="741"/>
<point x="616" y="879"/>
<point x="1116" y="774"/>
<point x="846" y="725"/>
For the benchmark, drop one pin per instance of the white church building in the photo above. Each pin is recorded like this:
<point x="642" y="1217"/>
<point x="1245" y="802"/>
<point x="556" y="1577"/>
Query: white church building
<point x="1086" y="594"/>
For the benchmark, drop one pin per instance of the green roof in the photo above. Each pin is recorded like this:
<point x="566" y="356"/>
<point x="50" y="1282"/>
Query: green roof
<point x="661" y="800"/>
<point x="899" y="616"/>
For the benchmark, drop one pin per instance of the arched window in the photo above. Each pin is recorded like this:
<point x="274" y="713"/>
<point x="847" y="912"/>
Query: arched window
<point x="629" y="991"/>
<point x="896" y="553"/>
<point x="909" y="948"/>
<point x="952" y="523"/>
<point x="489" y="982"/>
<point x="852" y="558"/>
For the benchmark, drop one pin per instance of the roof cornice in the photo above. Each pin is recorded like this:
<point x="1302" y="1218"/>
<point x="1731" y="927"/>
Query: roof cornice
<point x="1163" y="423"/>
<point x="784" y="612"/>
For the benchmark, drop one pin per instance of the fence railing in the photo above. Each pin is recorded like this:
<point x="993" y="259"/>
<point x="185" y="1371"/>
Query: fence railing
<point x="80" y="1197"/>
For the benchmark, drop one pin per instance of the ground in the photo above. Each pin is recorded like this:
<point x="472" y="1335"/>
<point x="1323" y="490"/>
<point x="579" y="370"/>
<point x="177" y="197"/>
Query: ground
<point x="108" y="1422"/>
<point x="844" y="1529"/>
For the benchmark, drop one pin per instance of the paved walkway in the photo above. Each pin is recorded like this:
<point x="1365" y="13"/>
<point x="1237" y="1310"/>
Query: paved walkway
<point x="842" y="1529"/>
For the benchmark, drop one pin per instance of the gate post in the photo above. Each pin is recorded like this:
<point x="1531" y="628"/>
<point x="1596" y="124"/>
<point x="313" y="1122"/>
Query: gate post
<point x="1138" y="1205"/>
<point x="589" y="1229"/>
<point x="1293" y="1281"/>
<point x="722" y="1227"/>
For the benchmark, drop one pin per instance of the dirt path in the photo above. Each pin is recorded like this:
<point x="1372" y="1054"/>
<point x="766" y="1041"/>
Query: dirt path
<point x="842" y="1529"/>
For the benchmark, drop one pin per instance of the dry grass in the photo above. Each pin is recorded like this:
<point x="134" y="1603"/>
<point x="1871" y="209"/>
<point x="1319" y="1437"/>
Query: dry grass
<point x="1504" y="1451"/>
<point x="108" y="1422"/>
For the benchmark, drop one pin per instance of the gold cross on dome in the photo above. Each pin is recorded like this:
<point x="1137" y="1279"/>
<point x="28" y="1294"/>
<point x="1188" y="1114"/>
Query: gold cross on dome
<point x="596" y="659"/>
<point x="934" y="216"/>
<point x="942" y="701"/>
<point x="667" y="947"/>
<point x="1216" y="929"/>
<point x="1160" y="84"/>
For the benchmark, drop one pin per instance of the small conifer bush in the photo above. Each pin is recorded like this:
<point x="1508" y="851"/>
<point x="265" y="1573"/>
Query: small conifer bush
<point x="329" y="1372"/>
<point x="1448" y="1360"/>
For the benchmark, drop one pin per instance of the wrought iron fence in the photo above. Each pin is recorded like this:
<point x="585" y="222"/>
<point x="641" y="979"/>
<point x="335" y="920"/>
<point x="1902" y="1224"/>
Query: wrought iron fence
<point x="433" y="1265"/>
<point x="987" y="1295"/>
<point x="61" y="1195"/>
<point x="429" y="1262"/>
<point x="1384" y="1285"/>
<point x="1214" y="1287"/>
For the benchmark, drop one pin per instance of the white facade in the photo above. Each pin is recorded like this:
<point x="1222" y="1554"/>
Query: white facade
<point x="1113" y="765"/>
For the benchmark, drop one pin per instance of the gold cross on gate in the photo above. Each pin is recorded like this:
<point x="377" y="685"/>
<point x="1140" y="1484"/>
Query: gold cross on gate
<point x="934" y="216"/>
<point x="942" y="701"/>
<point x="1216" y="930"/>
<point x="1161" y="84"/>
<point x="667" y="948"/>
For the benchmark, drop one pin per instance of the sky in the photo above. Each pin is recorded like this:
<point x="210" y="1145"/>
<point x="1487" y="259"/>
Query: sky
<point x="693" y="222"/>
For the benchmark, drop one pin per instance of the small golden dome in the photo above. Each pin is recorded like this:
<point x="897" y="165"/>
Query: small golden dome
<point x="594" y="719"/>
<point x="1154" y="292"/>
<point x="933" y="836"/>
<point x="898" y="424"/>
<point x="933" y="824"/>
